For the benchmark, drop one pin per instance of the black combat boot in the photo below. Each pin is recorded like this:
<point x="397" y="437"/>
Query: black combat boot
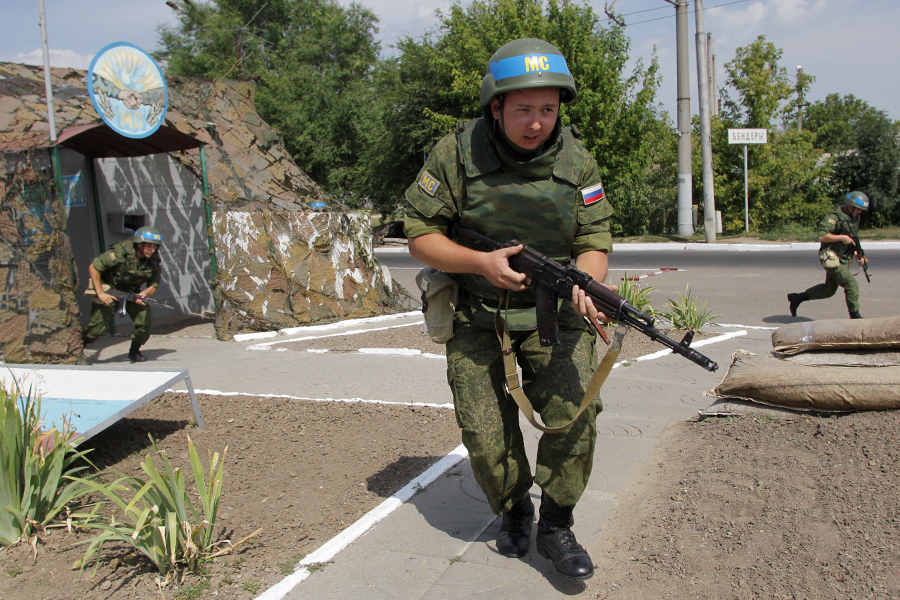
<point x="514" y="539"/>
<point x="856" y="315"/>
<point x="556" y="541"/>
<point x="795" y="300"/>
<point x="134" y="353"/>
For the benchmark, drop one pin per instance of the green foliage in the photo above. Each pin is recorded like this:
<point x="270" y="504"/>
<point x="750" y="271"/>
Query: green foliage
<point x="312" y="61"/>
<point x="834" y="121"/>
<point x="160" y="521"/>
<point x="635" y="295"/>
<point x="866" y="152"/>
<point x="686" y="313"/>
<point x="789" y="179"/>
<point x="33" y="466"/>
<point x="761" y="84"/>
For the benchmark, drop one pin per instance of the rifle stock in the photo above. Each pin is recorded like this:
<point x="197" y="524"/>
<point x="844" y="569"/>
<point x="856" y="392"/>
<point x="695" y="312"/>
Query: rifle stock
<point x="551" y="279"/>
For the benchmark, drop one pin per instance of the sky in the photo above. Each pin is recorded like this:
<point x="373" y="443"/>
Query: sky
<point x="850" y="46"/>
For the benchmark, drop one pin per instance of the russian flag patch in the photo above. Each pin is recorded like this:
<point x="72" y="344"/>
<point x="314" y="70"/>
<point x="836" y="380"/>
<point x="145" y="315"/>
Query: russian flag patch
<point x="592" y="194"/>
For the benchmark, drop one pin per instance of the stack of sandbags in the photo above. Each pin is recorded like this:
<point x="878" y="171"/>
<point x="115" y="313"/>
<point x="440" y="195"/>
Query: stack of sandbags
<point x="820" y="366"/>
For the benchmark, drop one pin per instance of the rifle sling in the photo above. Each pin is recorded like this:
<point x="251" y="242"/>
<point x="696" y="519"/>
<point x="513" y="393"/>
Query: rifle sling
<point x="514" y="387"/>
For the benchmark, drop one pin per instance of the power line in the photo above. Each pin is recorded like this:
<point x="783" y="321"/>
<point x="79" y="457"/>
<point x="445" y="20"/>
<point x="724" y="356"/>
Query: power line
<point x="673" y="16"/>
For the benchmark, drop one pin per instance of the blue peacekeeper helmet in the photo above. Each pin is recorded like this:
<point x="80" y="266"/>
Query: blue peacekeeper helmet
<point x="522" y="64"/>
<point x="149" y="235"/>
<point x="857" y="200"/>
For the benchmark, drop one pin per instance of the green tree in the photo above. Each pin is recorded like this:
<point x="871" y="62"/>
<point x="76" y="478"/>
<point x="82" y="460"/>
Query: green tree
<point x="864" y="143"/>
<point x="312" y="59"/>
<point x="835" y="120"/>
<point x="872" y="167"/>
<point x="762" y="86"/>
<point x="788" y="178"/>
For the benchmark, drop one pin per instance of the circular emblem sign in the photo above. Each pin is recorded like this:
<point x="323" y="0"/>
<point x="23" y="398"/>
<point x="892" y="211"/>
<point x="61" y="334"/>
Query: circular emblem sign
<point x="128" y="90"/>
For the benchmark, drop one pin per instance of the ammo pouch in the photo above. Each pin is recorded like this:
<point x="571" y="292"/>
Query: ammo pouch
<point x="440" y="296"/>
<point x="829" y="258"/>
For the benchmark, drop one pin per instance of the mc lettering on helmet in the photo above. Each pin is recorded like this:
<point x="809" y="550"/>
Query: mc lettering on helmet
<point x="536" y="63"/>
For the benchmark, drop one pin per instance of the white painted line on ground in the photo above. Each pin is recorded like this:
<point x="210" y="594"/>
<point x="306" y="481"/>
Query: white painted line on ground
<point x="348" y="400"/>
<point x="243" y="337"/>
<point x="746" y="326"/>
<point x="719" y="338"/>
<point x="267" y="345"/>
<point x="329" y="550"/>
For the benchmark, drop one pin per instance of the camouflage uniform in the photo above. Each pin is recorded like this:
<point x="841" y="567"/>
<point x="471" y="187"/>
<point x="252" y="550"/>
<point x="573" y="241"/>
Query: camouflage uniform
<point x="122" y="269"/>
<point x="470" y="179"/>
<point x="835" y="258"/>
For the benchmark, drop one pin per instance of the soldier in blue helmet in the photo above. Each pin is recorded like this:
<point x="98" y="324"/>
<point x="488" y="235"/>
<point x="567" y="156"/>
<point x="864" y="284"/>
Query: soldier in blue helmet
<point x="516" y="172"/>
<point x="835" y="253"/>
<point x="126" y="266"/>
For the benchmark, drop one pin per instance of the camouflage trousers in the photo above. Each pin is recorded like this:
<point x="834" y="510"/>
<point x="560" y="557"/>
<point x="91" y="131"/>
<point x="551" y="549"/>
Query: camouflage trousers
<point x="102" y="315"/>
<point x="554" y="379"/>
<point x="839" y="276"/>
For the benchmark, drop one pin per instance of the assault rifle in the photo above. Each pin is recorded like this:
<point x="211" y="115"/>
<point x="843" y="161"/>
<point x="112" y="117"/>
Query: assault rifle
<point x="124" y="297"/>
<point x="551" y="279"/>
<point x="861" y="253"/>
<point x="856" y="250"/>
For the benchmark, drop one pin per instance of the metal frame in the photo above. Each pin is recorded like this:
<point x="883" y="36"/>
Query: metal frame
<point x="177" y="375"/>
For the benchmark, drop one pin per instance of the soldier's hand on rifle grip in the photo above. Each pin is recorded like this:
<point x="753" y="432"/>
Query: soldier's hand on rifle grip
<point x="495" y="268"/>
<point x="105" y="298"/>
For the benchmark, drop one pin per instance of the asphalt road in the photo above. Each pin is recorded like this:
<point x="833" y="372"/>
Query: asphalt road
<point x="747" y="288"/>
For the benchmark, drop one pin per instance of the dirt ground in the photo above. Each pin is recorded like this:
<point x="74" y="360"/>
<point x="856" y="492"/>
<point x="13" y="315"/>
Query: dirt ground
<point x="761" y="507"/>
<point x="746" y="507"/>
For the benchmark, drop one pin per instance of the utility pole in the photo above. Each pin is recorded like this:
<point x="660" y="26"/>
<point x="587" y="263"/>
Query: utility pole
<point x="709" y="200"/>
<point x="48" y="86"/>
<point x="713" y="84"/>
<point x="801" y="101"/>
<point x="685" y="200"/>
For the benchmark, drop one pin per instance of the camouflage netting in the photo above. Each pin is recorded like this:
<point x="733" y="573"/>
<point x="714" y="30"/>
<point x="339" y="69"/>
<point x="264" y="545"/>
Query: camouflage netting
<point x="38" y="310"/>
<point x="292" y="269"/>
<point x="292" y="265"/>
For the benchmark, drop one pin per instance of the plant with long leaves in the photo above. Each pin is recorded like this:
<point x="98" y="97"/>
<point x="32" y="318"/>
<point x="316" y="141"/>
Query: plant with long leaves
<point x="34" y="465"/>
<point x="636" y="295"/>
<point x="686" y="313"/>
<point x="160" y="521"/>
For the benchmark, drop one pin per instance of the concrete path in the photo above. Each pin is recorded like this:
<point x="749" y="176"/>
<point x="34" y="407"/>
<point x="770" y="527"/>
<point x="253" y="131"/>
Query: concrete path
<point x="441" y="543"/>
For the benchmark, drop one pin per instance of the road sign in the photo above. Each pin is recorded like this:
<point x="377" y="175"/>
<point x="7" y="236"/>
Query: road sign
<point x="748" y="136"/>
<point x="744" y="137"/>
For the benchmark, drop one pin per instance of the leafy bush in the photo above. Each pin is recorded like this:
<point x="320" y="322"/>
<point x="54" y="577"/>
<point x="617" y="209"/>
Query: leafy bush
<point x="635" y="295"/>
<point x="33" y="465"/>
<point x="160" y="521"/>
<point x="685" y="313"/>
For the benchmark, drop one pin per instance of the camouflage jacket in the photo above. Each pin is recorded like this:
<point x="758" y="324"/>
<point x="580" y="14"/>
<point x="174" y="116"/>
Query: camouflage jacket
<point x="840" y="223"/>
<point x="470" y="179"/>
<point x="121" y="268"/>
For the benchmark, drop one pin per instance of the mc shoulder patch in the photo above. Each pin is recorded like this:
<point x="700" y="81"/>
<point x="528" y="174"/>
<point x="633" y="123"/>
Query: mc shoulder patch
<point x="428" y="183"/>
<point x="112" y="256"/>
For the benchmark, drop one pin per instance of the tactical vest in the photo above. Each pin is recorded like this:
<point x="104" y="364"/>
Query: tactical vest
<point x="132" y="271"/>
<point x="533" y="202"/>
<point x="845" y="225"/>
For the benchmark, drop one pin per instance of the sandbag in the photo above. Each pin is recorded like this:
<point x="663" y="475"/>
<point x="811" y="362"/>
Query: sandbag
<point x="845" y="334"/>
<point x="849" y="358"/>
<point x="769" y="380"/>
